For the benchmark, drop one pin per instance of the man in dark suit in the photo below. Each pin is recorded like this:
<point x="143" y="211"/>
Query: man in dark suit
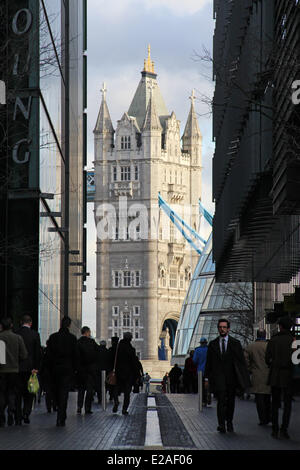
<point x="62" y="360"/>
<point x="28" y="366"/>
<point x="226" y="371"/>
<point x="87" y="370"/>
<point x="47" y="382"/>
<point x="126" y="371"/>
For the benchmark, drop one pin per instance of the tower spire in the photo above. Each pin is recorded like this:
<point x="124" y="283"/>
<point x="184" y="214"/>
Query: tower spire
<point x="192" y="97"/>
<point x="192" y="139"/>
<point x="104" y="123"/>
<point x="148" y="63"/>
<point x="192" y="126"/>
<point x="151" y="121"/>
<point x="103" y="91"/>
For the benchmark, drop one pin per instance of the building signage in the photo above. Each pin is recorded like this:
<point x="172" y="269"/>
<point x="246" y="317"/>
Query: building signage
<point x="23" y="104"/>
<point x="296" y="92"/>
<point x="19" y="157"/>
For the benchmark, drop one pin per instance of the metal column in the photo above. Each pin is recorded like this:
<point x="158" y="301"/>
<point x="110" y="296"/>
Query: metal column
<point x="200" y="390"/>
<point x="103" y="390"/>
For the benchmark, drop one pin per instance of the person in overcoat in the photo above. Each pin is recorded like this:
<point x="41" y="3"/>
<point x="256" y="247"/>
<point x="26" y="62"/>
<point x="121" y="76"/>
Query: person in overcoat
<point x="87" y="370"/>
<point x="255" y="360"/>
<point x="166" y="383"/>
<point x="103" y="364"/>
<point x="174" y="375"/>
<point x="190" y="374"/>
<point x="47" y="382"/>
<point x="279" y="359"/>
<point x="62" y="359"/>
<point x="138" y="381"/>
<point x="126" y="371"/>
<point x="29" y="365"/>
<point x="15" y="352"/>
<point x="226" y="372"/>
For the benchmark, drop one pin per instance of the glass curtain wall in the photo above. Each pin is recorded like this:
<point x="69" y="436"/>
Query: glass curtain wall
<point x="62" y="155"/>
<point x="207" y="301"/>
<point x="52" y="161"/>
<point x="77" y="216"/>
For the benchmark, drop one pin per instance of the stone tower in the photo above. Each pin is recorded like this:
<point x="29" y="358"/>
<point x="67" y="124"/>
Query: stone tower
<point x="143" y="262"/>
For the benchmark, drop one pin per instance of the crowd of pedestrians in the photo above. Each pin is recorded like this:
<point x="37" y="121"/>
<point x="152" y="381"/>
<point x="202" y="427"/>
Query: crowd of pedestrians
<point x="264" y="368"/>
<point x="65" y="364"/>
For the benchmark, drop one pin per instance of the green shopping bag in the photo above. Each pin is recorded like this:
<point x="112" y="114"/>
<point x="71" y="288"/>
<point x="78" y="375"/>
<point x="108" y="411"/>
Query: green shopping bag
<point x="33" y="384"/>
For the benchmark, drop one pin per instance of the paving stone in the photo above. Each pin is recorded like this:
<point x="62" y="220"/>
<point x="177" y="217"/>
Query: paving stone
<point x="173" y="431"/>
<point x="132" y="433"/>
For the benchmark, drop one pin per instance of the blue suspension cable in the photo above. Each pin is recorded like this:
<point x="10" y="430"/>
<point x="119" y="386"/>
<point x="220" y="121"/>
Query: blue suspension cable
<point x="164" y="204"/>
<point x="172" y="215"/>
<point x="206" y="214"/>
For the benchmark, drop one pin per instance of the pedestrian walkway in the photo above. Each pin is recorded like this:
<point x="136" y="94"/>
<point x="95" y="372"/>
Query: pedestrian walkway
<point x="98" y="431"/>
<point x="181" y="426"/>
<point x="248" y="435"/>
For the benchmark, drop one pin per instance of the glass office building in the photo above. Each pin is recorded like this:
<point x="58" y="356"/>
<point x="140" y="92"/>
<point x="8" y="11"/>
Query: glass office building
<point x="43" y="155"/>
<point x="207" y="301"/>
<point x="62" y="151"/>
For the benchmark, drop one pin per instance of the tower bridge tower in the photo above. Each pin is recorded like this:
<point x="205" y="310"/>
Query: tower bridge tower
<point x="143" y="263"/>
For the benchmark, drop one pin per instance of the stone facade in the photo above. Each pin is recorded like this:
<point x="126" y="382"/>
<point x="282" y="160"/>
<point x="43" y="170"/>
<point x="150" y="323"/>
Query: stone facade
<point x="143" y="272"/>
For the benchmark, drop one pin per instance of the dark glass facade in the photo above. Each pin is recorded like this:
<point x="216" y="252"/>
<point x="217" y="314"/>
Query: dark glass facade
<point x="42" y="161"/>
<point x="256" y="130"/>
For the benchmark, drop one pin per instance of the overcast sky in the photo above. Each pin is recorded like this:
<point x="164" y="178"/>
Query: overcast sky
<point x="119" y="32"/>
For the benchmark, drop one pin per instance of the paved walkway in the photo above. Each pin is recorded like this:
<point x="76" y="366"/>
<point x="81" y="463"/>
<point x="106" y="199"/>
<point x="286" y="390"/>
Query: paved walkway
<point x="82" y="432"/>
<point x="248" y="435"/>
<point x="181" y="426"/>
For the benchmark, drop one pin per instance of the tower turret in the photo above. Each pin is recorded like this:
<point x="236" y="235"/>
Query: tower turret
<point x="104" y="131"/>
<point x="192" y="137"/>
<point x="152" y="129"/>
